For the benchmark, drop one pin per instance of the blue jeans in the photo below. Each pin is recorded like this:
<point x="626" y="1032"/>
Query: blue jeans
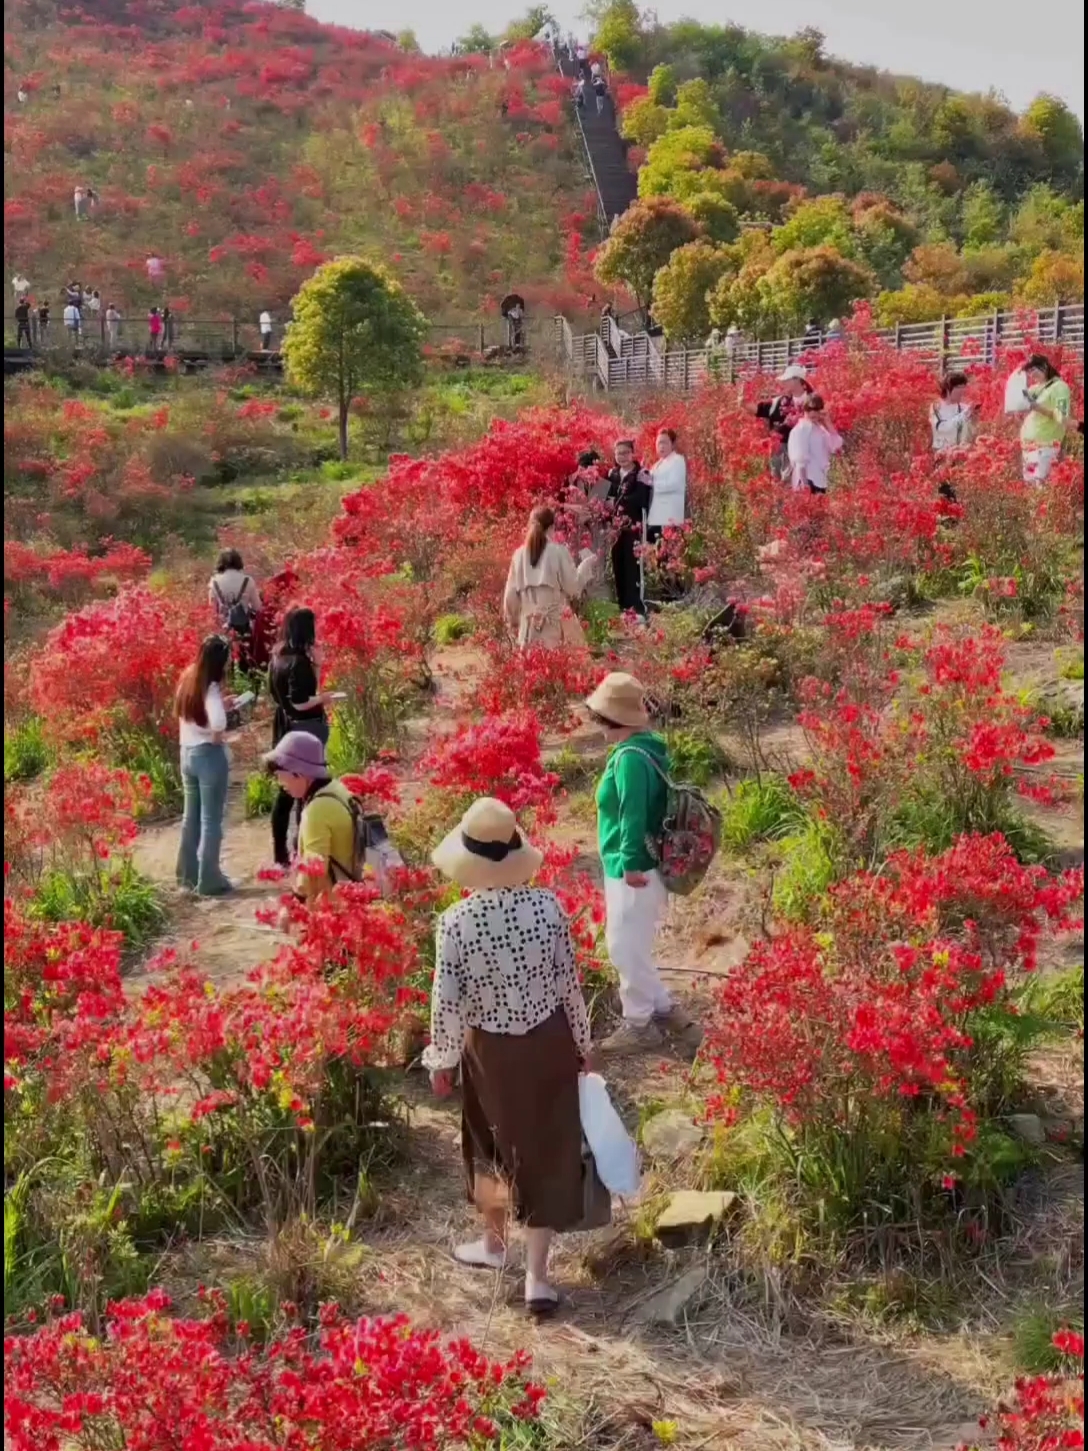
<point x="205" y="771"/>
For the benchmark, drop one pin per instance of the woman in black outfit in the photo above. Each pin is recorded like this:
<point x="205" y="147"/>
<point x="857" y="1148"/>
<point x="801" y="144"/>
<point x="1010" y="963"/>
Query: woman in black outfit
<point x="300" y="706"/>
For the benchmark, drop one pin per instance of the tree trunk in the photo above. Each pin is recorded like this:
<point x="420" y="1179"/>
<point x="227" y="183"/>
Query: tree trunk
<point x="343" y="431"/>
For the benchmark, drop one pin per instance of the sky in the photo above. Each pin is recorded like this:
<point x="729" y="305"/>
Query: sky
<point x="1018" y="49"/>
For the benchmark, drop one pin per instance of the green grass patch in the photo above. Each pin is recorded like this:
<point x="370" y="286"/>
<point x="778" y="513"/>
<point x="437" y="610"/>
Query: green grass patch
<point x="448" y="629"/>
<point x="261" y="793"/>
<point x="760" y="809"/>
<point x="1033" y="1336"/>
<point x="26" y="752"/>
<point x="118" y="897"/>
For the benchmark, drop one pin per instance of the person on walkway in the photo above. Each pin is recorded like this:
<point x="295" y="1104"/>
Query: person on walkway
<point x="167" y="328"/>
<point x="43" y="322"/>
<point x="266" y="331"/>
<point x="326" y="832"/>
<point x="300" y="706"/>
<point x="22" y="324"/>
<point x="507" y="1008"/>
<point x="113" y="325"/>
<point x="631" y="800"/>
<point x="600" y="90"/>
<point x="72" y="323"/>
<point x="1043" y="430"/>
<point x="233" y="596"/>
<point x="542" y="584"/>
<point x="580" y="92"/>
<point x="94" y="308"/>
<point x="782" y="412"/>
<point x="594" y="70"/>
<point x="79" y="201"/>
<point x="669" y="479"/>
<point x="834" y="331"/>
<point x="812" y="445"/>
<point x="813" y="337"/>
<point x="515" y="325"/>
<point x="154" y="331"/>
<point x="630" y="492"/>
<point x="201" y="709"/>
<point x="20" y="286"/>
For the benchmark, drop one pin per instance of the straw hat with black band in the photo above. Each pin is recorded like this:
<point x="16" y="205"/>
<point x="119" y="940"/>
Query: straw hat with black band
<point x="486" y="850"/>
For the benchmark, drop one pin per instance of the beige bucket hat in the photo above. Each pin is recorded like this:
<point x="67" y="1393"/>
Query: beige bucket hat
<point x="486" y="849"/>
<point x="621" y="699"/>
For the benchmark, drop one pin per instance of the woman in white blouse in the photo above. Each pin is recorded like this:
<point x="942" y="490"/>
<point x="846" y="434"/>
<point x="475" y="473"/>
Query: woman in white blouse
<point x="813" y="443"/>
<point x="507" y="1007"/>
<point x="669" y="474"/>
<point x="542" y="583"/>
<point x="201" y="710"/>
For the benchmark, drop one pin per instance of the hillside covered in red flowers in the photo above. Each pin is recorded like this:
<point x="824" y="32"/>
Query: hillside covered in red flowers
<point x="243" y="143"/>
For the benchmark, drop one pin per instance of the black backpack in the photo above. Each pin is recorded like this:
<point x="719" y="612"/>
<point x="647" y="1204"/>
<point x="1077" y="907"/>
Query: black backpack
<point x="240" y="617"/>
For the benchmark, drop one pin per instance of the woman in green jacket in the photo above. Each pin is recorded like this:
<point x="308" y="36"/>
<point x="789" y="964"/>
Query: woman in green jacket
<point x="631" y="801"/>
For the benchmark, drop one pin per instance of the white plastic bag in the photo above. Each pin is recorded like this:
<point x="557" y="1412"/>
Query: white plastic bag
<point x="612" y="1147"/>
<point x="1015" y="389"/>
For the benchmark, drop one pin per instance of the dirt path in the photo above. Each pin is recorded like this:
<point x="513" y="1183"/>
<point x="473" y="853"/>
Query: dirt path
<point x="729" y="1376"/>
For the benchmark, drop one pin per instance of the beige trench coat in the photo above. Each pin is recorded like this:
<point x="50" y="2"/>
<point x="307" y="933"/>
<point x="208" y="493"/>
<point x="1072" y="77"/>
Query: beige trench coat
<point x="536" y="601"/>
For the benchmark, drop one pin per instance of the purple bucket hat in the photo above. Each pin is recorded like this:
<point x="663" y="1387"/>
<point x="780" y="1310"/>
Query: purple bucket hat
<point x="300" y="754"/>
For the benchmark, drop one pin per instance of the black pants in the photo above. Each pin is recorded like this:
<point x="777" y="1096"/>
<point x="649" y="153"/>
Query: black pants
<point x="286" y="806"/>
<point x="626" y="571"/>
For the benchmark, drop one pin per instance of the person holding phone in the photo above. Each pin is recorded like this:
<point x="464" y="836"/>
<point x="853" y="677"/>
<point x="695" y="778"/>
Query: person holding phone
<point x="202" y="710"/>
<point x="1043" y="431"/>
<point x="300" y="706"/>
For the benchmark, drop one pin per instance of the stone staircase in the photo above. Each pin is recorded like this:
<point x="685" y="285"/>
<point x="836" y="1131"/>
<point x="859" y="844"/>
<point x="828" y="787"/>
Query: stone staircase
<point x="616" y="185"/>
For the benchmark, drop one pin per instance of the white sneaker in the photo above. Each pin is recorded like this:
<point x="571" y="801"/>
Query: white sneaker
<point x="477" y="1255"/>
<point x="632" y="1038"/>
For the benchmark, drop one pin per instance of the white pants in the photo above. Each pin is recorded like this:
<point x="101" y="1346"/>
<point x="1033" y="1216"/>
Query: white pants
<point x="1039" y="460"/>
<point x="631" y="918"/>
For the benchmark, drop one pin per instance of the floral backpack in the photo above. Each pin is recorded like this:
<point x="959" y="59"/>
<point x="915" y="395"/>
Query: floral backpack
<point x="691" y="833"/>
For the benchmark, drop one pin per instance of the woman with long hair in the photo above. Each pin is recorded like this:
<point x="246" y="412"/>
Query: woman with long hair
<point x="201" y="710"/>
<point x="300" y="706"/>
<point x="542" y="582"/>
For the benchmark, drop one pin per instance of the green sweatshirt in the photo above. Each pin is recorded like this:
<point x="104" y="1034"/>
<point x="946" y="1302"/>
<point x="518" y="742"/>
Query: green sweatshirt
<point x="631" y="800"/>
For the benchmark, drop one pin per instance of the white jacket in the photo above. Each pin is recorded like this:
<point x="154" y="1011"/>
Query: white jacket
<point x="670" y="480"/>
<point x="811" y="448"/>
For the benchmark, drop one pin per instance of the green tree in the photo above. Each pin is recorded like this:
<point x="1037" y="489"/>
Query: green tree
<point x="619" y="34"/>
<point x="716" y="216"/>
<point x="695" y="106"/>
<point x="812" y="282"/>
<point x="1054" y="277"/>
<point x="407" y="41"/>
<point x="1057" y="130"/>
<point x="476" y="41"/>
<point x="645" y="238"/>
<point x="354" y="330"/>
<point x="530" y="24"/>
<point x="662" y="85"/>
<point x="681" y="289"/>
<point x="823" y="222"/>
<point x="675" y="158"/>
<point x="644" y="121"/>
<point x="983" y="216"/>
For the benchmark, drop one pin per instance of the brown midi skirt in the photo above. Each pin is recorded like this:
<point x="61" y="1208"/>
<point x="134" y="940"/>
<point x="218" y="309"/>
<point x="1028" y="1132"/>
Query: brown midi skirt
<point x="521" y="1130"/>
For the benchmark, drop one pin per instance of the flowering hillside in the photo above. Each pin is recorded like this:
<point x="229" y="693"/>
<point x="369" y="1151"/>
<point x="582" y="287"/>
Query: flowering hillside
<point x="242" y="143"/>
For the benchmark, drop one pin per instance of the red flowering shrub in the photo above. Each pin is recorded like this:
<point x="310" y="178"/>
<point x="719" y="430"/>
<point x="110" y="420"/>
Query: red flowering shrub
<point x="500" y="757"/>
<point x="30" y="575"/>
<point x="156" y="1381"/>
<point x="1045" y="1412"/>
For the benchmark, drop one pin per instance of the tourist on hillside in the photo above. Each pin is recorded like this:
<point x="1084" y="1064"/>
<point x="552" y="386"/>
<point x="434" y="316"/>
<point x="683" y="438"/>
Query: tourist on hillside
<point x="600" y="90"/>
<point x="1043" y="430"/>
<point x="515" y="324"/>
<point x="631" y="801"/>
<point x="326" y="832"/>
<point x="952" y="425"/>
<point x="94" y="312"/>
<point x="73" y="323"/>
<point x="156" y="269"/>
<point x="813" y="336"/>
<point x="234" y="597"/>
<point x="630" y="492"/>
<point x="580" y="92"/>
<point x="22" y="324"/>
<point x="669" y="478"/>
<point x="542" y="584"/>
<point x="782" y="412"/>
<point x="113" y="325"/>
<point x="834" y="331"/>
<point x="300" y="706"/>
<point x="73" y="293"/>
<point x="201" y="709"/>
<point x="79" y="201"/>
<point x="507" y="1009"/>
<point x="813" y="443"/>
<point x="154" y="330"/>
<point x="168" y="324"/>
<point x="20" y="286"/>
<point x="43" y="321"/>
<point x="265" y="322"/>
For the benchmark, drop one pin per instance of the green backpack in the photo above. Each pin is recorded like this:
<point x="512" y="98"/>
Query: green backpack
<point x="691" y="832"/>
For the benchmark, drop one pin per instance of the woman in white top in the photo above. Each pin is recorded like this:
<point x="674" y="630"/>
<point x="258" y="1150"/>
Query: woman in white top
<point x="201" y="710"/>
<point x="229" y="587"/>
<point x="813" y="443"/>
<point x="508" y="1010"/>
<point x="952" y="418"/>
<point x="669" y="475"/>
<point x="542" y="582"/>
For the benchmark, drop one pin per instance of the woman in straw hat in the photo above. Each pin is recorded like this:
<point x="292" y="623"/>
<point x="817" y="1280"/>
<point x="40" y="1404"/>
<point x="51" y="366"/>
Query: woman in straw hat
<point x="508" y="1008"/>
<point x="542" y="583"/>
<point x="631" y="801"/>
